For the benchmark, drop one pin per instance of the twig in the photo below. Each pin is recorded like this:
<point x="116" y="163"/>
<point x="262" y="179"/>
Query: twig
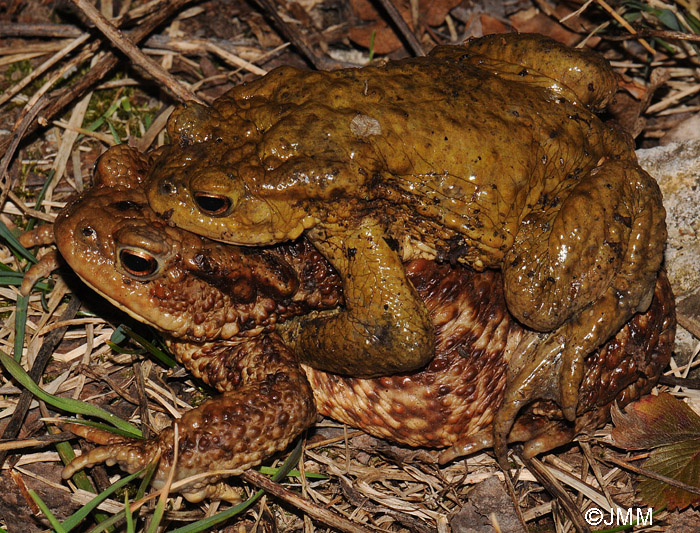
<point x="661" y="34"/>
<point x="625" y="25"/>
<point x="34" y="74"/>
<point x="510" y="488"/>
<point x="676" y="97"/>
<point x="319" y="513"/>
<point x="596" y="471"/>
<point x="554" y="487"/>
<point x="403" y="28"/>
<point x="29" y="211"/>
<point x="650" y="474"/>
<point x="294" y="36"/>
<point x="144" y="412"/>
<point x="686" y="383"/>
<point x="63" y="97"/>
<point x="149" y="67"/>
<point x="42" y="358"/>
<point x="13" y="142"/>
<point x="61" y="31"/>
<point x="35" y="442"/>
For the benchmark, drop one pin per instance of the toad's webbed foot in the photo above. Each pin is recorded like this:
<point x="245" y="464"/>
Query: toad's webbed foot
<point x="579" y="268"/>
<point x="384" y="328"/>
<point x="538" y="435"/>
<point x="234" y="431"/>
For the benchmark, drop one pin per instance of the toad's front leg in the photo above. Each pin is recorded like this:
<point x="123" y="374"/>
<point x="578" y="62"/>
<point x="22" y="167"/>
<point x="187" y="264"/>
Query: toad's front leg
<point x="580" y="268"/>
<point x="270" y="406"/>
<point x="384" y="328"/>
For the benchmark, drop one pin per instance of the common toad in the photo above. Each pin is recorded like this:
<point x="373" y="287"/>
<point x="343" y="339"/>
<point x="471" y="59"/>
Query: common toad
<point x="175" y="280"/>
<point x="487" y="154"/>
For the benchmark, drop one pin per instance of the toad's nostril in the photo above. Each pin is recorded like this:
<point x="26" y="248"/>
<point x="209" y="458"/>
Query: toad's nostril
<point x="215" y="205"/>
<point x="168" y="188"/>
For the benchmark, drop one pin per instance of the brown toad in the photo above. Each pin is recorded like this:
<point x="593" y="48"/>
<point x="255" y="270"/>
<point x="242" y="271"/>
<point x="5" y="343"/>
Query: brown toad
<point x="217" y="306"/>
<point x="485" y="154"/>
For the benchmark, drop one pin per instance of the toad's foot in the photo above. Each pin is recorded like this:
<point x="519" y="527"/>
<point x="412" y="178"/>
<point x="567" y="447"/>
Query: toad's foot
<point x="232" y="432"/>
<point x="385" y="327"/>
<point x="47" y="264"/>
<point x="538" y="434"/>
<point x="580" y="269"/>
<point x="133" y="455"/>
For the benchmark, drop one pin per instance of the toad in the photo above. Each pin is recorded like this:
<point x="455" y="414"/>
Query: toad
<point x="487" y="154"/>
<point x="218" y="307"/>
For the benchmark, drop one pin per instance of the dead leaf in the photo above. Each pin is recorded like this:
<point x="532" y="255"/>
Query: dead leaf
<point x="533" y="21"/>
<point x="431" y="13"/>
<point x="627" y="109"/>
<point x="654" y="421"/>
<point x="686" y="130"/>
<point x="491" y="24"/>
<point x="488" y="504"/>
<point x="672" y="428"/>
<point x="634" y="88"/>
<point x="683" y="522"/>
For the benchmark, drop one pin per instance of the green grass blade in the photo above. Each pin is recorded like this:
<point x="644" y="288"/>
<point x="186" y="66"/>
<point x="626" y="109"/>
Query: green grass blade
<point x="76" y="518"/>
<point x="152" y="348"/>
<point x="157" y="515"/>
<point x="80" y="479"/>
<point x="20" y="325"/>
<point x="130" y="526"/>
<point x="40" y="198"/>
<point x="101" y="120"/>
<point x="12" y="241"/>
<point x="150" y="472"/>
<point x="47" y="512"/>
<point x="114" y="133"/>
<point x="65" y="404"/>
<point x="97" y="425"/>
<point x="14" y="279"/>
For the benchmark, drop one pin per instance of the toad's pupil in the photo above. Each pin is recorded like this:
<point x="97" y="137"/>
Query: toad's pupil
<point x="136" y="264"/>
<point x="167" y="188"/>
<point x="88" y="232"/>
<point x="213" y="204"/>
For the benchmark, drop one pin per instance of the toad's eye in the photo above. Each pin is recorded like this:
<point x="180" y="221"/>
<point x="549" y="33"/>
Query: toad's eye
<point x="138" y="264"/>
<point x="215" y="205"/>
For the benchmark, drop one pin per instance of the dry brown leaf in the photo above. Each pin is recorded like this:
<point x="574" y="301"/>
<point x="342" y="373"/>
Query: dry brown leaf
<point x="431" y="13"/>
<point x="672" y="428"/>
<point x="534" y="21"/>
<point x="491" y="24"/>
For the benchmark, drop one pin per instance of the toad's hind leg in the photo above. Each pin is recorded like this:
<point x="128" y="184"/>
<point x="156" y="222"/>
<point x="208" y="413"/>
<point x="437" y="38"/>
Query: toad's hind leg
<point x="268" y="404"/>
<point x="580" y="267"/>
<point x="583" y="71"/>
<point x="384" y="327"/>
